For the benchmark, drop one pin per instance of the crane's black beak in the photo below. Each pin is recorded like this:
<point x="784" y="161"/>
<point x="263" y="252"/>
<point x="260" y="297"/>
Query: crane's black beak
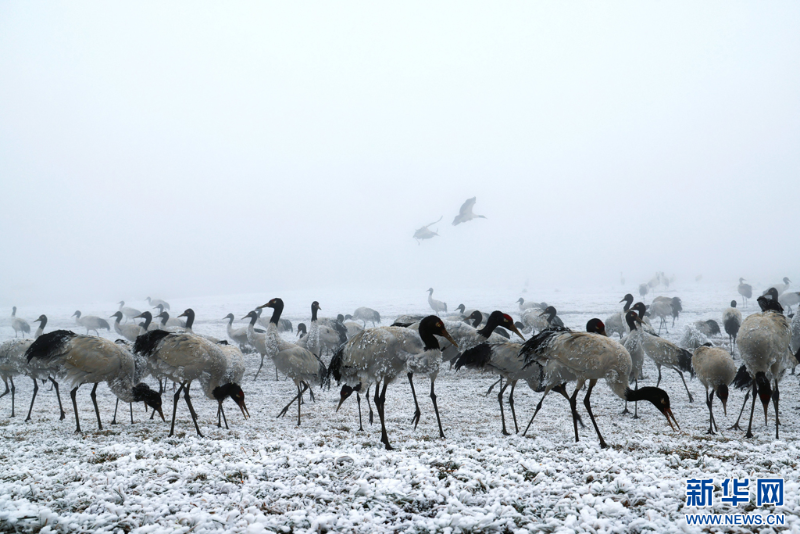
<point x="668" y="413"/>
<point x="242" y="407"/>
<point x="514" y="329"/>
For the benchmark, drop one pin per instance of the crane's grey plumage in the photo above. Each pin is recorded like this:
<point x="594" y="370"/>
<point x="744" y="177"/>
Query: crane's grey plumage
<point x="465" y="214"/>
<point x="715" y="370"/>
<point x="155" y="303"/>
<point x="296" y="362"/>
<point x="378" y="355"/>
<point x="436" y="305"/>
<point x="587" y="356"/>
<point x="184" y="358"/>
<point x="128" y="331"/>
<point x="366" y="315"/>
<point x="553" y="320"/>
<point x="763" y="342"/>
<point x="238" y="335"/>
<point x="667" y="354"/>
<point x="535" y="320"/>
<point x="745" y="290"/>
<point x="19" y="324"/>
<point x="91" y="322"/>
<point x="167" y="320"/>
<point x="90" y="359"/>
<point x="424" y="233"/>
<point x="321" y="338"/>
<point x="664" y="307"/>
<point x="127" y="311"/>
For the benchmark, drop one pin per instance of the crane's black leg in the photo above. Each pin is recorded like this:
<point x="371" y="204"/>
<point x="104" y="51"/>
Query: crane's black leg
<point x="752" y="409"/>
<point x="6" y="392"/>
<point x="114" y="419"/>
<point x="276" y="373"/>
<point x="191" y="408"/>
<point x="295" y="398"/>
<point x="175" y="398"/>
<point x="573" y="405"/>
<point x="75" y="407"/>
<point x="262" y="365"/>
<point x="358" y="399"/>
<point x="538" y="407"/>
<point x="382" y="414"/>
<point x="33" y="398"/>
<point x="511" y="403"/>
<point x="684" y="385"/>
<point x="588" y="406"/>
<point x="58" y="396"/>
<point x="311" y="392"/>
<point x="436" y="408"/>
<point x="300" y="396"/>
<point x="371" y="416"/>
<point x="709" y="403"/>
<point x="562" y="389"/>
<point x="417" y="413"/>
<point x="221" y="411"/>
<point x="492" y="386"/>
<point x="93" y="395"/>
<point x="659" y="375"/>
<point x="130" y="405"/>
<point x="502" y="411"/>
<point x="775" y="397"/>
<point x="736" y="424"/>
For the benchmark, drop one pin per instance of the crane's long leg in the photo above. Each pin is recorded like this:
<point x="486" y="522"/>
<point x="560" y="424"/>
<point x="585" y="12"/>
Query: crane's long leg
<point x="659" y="375"/>
<point x="12" y="390"/>
<point x="191" y="408"/>
<point x="114" y="419"/>
<point x="382" y="413"/>
<point x="75" y="407"/>
<point x="511" y="403"/>
<point x="417" y="413"/>
<point x="299" y="398"/>
<point x="130" y="405"/>
<point x="262" y="365"/>
<point x="684" y="385"/>
<point x="221" y="411"/>
<point x="310" y="392"/>
<point x="295" y="398"/>
<point x="93" y="395"/>
<point x="588" y="406"/>
<point x="358" y="399"/>
<point x="538" y="407"/>
<point x="573" y="405"/>
<point x="58" y="396"/>
<point x="492" y="386"/>
<point x="436" y="408"/>
<point x="502" y="412"/>
<point x="175" y="398"/>
<point x="775" y="397"/>
<point x="33" y="398"/>
<point x="371" y="416"/>
<point x="709" y="403"/>
<point x="562" y="388"/>
<point x="736" y="424"/>
<point x="752" y="409"/>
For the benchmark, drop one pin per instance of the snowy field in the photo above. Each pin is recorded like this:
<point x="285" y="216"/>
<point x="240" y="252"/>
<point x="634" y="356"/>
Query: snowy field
<point x="268" y="475"/>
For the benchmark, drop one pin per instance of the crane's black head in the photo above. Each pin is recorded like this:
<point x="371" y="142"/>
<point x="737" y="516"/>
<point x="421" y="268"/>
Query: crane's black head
<point x="160" y="307"/>
<point x="345" y="393"/>
<point x="430" y="326"/>
<point x="733" y="304"/>
<point x="722" y="395"/>
<point x="550" y="311"/>
<point x="476" y="318"/>
<point x="773" y="293"/>
<point x="627" y="298"/>
<point x="234" y="392"/>
<point x="461" y="308"/>
<point x="77" y="314"/>
<point x="315" y="305"/>
<point x="640" y="308"/>
<point x="631" y="318"/>
<point x="13" y="311"/>
<point x="340" y="318"/>
<point x="348" y="317"/>
<point x="741" y="280"/>
<point x="118" y="315"/>
<point x="42" y="319"/>
<point x="430" y="290"/>
<point x="596" y="326"/>
<point x="187" y="313"/>
<point x="498" y="318"/>
<point x="121" y="303"/>
<point x="521" y="300"/>
<point x="786" y="280"/>
<point x="143" y="393"/>
<point x="229" y="317"/>
<point x="769" y="304"/>
<point x="658" y="397"/>
<point x="148" y="318"/>
<point x="301" y="329"/>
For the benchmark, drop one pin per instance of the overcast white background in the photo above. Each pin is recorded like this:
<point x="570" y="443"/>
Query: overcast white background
<point x="188" y="149"/>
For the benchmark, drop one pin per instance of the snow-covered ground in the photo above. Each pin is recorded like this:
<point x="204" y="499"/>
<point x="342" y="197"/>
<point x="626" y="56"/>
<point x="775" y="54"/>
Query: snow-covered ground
<point x="268" y="475"/>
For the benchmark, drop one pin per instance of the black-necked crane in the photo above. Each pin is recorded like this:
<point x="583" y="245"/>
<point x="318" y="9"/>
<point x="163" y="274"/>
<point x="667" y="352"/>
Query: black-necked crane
<point x="258" y="340"/>
<point x="530" y="305"/>
<point x="238" y="335"/>
<point x="663" y="307"/>
<point x="184" y="358"/>
<point x="667" y="354"/>
<point x="789" y="299"/>
<point x="436" y="305"/>
<point x="91" y="322"/>
<point x="155" y="303"/>
<point x="42" y="320"/>
<point x="553" y="320"/>
<point x="615" y="324"/>
<point x="715" y="370"/>
<point x="366" y="315"/>
<point x="769" y="304"/>
<point x="534" y="320"/>
<point x="294" y="361"/>
<point x="633" y="344"/>
<point x="641" y="311"/>
<point x="234" y="372"/>
<point x="763" y="342"/>
<point x="320" y="338"/>
<point x="128" y="331"/>
<point x="590" y="357"/>
<point x="19" y="324"/>
<point x="166" y="320"/>
<point x="745" y="290"/>
<point x="127" y="311"/>
<point x="190" y="316"/>
<point x="377" y="355"/>
<point x="465" y="213"/>
<point x="90" y="359"/>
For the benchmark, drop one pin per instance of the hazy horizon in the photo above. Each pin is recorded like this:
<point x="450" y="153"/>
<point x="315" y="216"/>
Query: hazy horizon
<point x="194" y="149"/>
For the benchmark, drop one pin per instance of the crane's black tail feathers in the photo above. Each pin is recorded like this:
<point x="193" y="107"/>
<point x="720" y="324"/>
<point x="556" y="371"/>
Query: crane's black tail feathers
<point x="742" y="379"/>
<point x="335" y="367"/>
<point x="713" y="327"/>
<point x="146" y="343"/>
<point x="732" y="326"/>
<point x="402" y="325"/>
<point x="538" y="343"/>
<point x="49" y="346"/>
<point x="475" y="358"/>
<point x="324" y="378"/>
<point x="104" y="324"/>
<point x="685" y="361"/>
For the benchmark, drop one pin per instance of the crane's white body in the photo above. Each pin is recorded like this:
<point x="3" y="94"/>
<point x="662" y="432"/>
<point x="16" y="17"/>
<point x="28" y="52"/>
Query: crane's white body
<point x="127" y="311"/>
<point x="713" y="366"/>
<point x="91" y="322"/>
<point x="764" y="340"/>
<point x="128" y="331"/>
<point x="155" y="303"/>
<point x="19" y="324"/>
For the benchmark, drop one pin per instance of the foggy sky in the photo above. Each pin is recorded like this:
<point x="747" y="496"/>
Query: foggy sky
<point x="179" y="149"/>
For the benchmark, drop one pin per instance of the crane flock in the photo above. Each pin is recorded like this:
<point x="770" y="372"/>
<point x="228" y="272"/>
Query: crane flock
<point x="363" y="356"/>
